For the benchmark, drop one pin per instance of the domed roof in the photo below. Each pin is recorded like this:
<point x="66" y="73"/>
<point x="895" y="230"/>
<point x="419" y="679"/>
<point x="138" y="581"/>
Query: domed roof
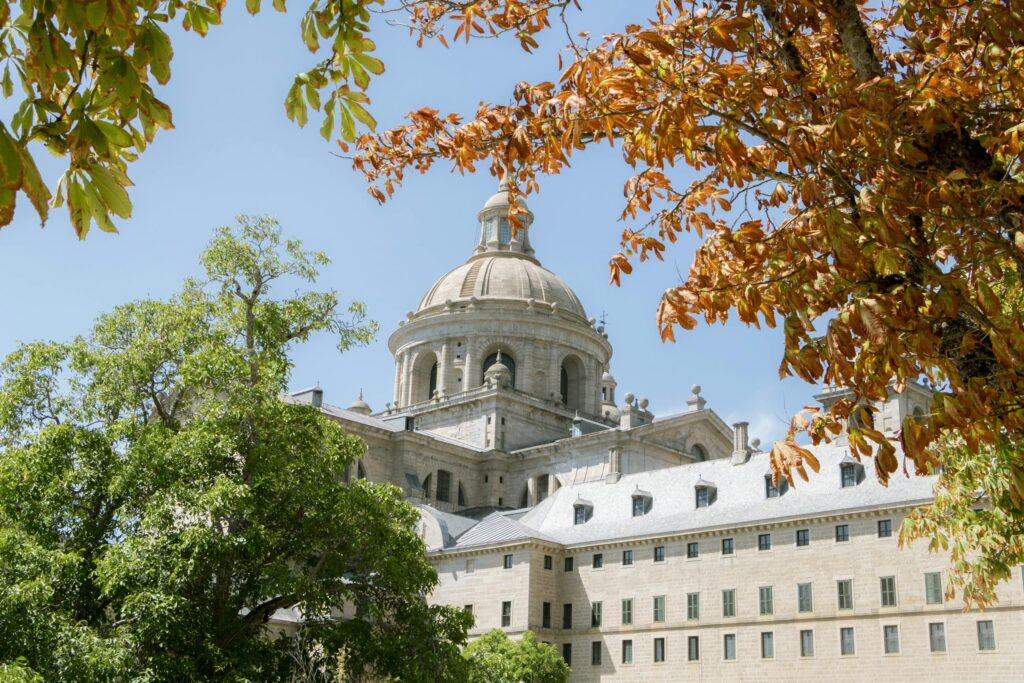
<point x="497" y="275"/>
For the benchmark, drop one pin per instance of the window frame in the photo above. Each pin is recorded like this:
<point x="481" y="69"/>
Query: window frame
<point x="888" y="528"/>
<point x="730" y="603"/>
<point x="596" y="613"/>
<point x="941" y="599"/>
<point x="506" y="619"/>
<point x="931" y="638"/>
<point x="991" y="635"/>
<point x="730" y="544"/>
<point x="693" y="648"/>
<point x="843" y="630"/>
<point x="800" y="587"/>
<point x="568" y="564"/>
<point x="566" y="616"/>
<point x="886" y="630"/>
<point x="627" y="558"/>
<point x="764" y="542"/>
<point x="765" y="601"/>
<point x="659" y="650"/>
<point x="549" y="563"/>
<point x="693" y="550"/>
<point x="728" y="639"/>
<point x="626" y="614"/>
<point x="804" y="653"/>
<point x="597" y="561"/>
<point x="659" y="553"/>
<point x="803" y="538"/>
<point x="840" y="583"/>
<point x="627" y="651"/>
<point x="655" y="612"/>
<point x="891" y="592"/>
<point x="595" y="652"/>
<point x="693" y="606"/>
<point x="768" y="637"/>
<point x="842" y="533"/>
<point x="507" y="561"/>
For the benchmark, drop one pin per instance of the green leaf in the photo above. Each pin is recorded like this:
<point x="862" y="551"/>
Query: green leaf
<point x="114" y="196"/>
<point x="116" y="135"/>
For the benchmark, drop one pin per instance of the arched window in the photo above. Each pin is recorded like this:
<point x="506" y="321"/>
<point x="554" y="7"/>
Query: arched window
<point x="504" y="231"/>
<point x="524" y="500"/>
<point x="462" y="496"/>
<point x="360" y="470"/>
<point x="699" y="453"/>
<point x="432" y="387"/>
<point x="506" y="359"/>
<point x="571" y="382"/>
<point x="426" y="485"/>
<point x="543" y="481"/>
<point x="444" y="486"/>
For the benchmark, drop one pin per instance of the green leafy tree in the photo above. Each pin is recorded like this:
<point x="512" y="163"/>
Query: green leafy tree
<point x="495" y="658"/>
<point x="159" y="501"/>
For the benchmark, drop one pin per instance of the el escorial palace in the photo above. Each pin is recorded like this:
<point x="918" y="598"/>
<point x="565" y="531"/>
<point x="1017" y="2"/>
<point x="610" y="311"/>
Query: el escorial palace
<point x="648" y="548"/>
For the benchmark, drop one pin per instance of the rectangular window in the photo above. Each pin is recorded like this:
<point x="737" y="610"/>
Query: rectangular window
<point x="595" y="653"/>
<point x="767" y="645"/>
<point x="884" y="528"/>
<point x="764" y="542"/>
<point x="659" y="553"/>
<point x="933" y="588"/>
<point x="548" y="562"/>
<point x="579" y="514"/>
<point x="842" y="533"/>
<point x="627" y="557"/>
<point x="693" y="606"/>
<point x="627" y="611"/>
<point x="692" y="550"/>
<point x="507" y="562"/>
<point x="567" y="653"/>
<point x="598" y="560"/>
<point x="844" y="591"/>
<point x="849" y="472"/>
<point x="765" y="601"/>
<point x="567" y="615"/>
<point x="444" y="486"/>
<point x="659" y="649"/>
<point x="804" y="598"/>
<point x="727" y="546"/>
<point x="693" y="648"/>
<point x="888" y="588"/>
<point x="937" y="637"/>
<point x="891" y="639"/>
<point x="595" y="614"/>
<point x="638" y="506"/>
<point x="729" y="602"/>
<point x="506" y="613"/>
<point x="771" y="489"/>
<point x="986" y="635"/>
<point x="545" y="618"/>
<point x="659" y="609"/>
<point x="729" y="646"/>
<point x="847" y="646"/>
<point x="468" y="609"/>
<point x="803" y="537"/>
<point x="627" y="652"/>
<point x="702" y="496"/>
<point x="807" y="643"/>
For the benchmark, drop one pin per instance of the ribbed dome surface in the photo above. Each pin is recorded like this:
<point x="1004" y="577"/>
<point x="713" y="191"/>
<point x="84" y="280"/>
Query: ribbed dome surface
<point x="503" y="277"/>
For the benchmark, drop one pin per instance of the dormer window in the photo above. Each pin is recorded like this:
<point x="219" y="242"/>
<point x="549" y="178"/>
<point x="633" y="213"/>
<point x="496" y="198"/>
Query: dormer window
<point x="851" y="472"/>
<point x="773" y="490"/>
<point x="642" y="503"/>
<point x="582" y="511"/>
<point x="706" y="492"/>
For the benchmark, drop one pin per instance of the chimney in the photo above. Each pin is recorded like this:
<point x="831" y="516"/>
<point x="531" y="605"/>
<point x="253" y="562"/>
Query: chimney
<point x="740" y="445"/>
<point x="614" y="465"/>
<point x="313" y="396"/>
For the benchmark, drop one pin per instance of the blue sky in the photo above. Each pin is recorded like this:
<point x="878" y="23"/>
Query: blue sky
<point x="233" y="151"/>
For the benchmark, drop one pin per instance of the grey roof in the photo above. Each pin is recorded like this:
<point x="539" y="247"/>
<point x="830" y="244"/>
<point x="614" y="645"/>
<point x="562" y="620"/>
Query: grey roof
<point x="452" y="525"/>
<point x="498" y="528"/>
<point x="740" y="501"/>
<point x="367" y="420"/>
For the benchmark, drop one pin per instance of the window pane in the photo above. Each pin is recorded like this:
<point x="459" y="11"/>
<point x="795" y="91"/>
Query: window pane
<point x="627" y="652"/>
<point x="508" y="562"/>
<point x="659" y="649"/>
<point x="842" y="533"/>
<point x="986" y="635"/>
<point x="506" y="614"/>
<point x="693" y="648"/>
<point x="767" y="645"/>
<point x="567" y="615"/>
<point x="764" y="542"/>
<point x="937" y="637"/>
<point x="888" y="586"/>
<point x="845" y="592"/>
<point x="595" y="653"/>
<point x="693" y="606"/>
<point x="546" y="615"/>
<point x="598" y="560"/>
<point x="729" y="645"/>
<point x="803" y="537"/>
<point x="659" y="608"/>
<point x="627" y="557"/>
<point x="892" y="639"/>
<point x="804" y="599"/>
<point x="765" y="600"/>
<point x="548" y="562"/>
<point x="933" y="588"/>
<point x="567" y="653"/>
<point x="692" y="550"/>
<point x="729" y="603"/>
<point x="846" y="641"/>
<point x="659" y="553"/>
<point x="884" y="528"/>
<point x="627" y="611"/>
<point x="595" y="614"/>
<point x="727" y="546"/>
<point x="806" y="643"/>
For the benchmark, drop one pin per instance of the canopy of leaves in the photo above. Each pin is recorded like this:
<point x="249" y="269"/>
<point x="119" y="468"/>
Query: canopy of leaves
<point x="159" y="501"/>
<point x="494" y="658"/>
<point x="858" y="182"/>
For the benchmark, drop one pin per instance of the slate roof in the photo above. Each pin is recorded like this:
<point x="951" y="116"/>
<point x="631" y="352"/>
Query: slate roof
<point x="740" y="501"/>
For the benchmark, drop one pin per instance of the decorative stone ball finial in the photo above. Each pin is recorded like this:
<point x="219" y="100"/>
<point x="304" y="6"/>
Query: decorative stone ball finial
<point x="695" y="389"/>
<point x="755" y="443"/>
<point x="629" y="399"/>
<point x="644" y="403"/>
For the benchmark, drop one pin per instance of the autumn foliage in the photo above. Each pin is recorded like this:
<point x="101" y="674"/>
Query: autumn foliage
<point x="876" y="151"/>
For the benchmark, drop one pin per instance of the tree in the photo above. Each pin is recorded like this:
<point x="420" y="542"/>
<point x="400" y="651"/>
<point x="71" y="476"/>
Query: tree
<point x="494" y="658"/>
<point x="858" y="180"/>
<point x="159" y="501"/>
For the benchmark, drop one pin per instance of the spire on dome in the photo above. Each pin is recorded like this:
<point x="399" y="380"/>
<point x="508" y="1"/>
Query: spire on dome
<point x="360" y="406"/>
<point x="495" y="229"/>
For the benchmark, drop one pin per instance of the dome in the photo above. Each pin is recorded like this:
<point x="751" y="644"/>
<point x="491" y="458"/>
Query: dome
<point x="497" y="275"/>
<point x="360" y="406"/>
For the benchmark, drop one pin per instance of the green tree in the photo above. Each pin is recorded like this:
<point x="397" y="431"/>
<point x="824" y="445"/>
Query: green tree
<point x="159" y="501"/>
<point x="494" y="658"/>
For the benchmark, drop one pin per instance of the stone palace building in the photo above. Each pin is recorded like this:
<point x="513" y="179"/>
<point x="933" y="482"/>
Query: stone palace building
<point x="648" y="548"/>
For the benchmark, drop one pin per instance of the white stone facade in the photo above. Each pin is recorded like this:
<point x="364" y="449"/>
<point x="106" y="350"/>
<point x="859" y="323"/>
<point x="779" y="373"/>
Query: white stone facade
<point x="506" y="429"/>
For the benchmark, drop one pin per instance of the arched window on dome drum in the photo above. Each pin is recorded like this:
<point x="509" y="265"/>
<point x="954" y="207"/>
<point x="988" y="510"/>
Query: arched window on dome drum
<point x="506" y="360"/>
<point x="543" y="482"/>
<point x="571" y="382"/>
<point x="444" y="486"/>
<point x="524" y="500"/>
<point x="504" y="231"/>
<point x="426" y="485"/>
<point x="432" y="384"/>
